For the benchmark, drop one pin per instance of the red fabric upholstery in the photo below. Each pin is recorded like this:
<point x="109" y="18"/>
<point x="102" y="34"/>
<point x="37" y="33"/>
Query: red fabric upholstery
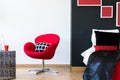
<point x="48" y="53"/>
<point x="116" y="73"/>
<point x="105" y="47"/>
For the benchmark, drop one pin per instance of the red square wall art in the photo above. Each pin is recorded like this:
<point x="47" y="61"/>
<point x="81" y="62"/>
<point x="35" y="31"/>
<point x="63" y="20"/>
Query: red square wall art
<point x="118" y="14"/>
<point x="89" y="2"/>
<point x="106" y="12"/>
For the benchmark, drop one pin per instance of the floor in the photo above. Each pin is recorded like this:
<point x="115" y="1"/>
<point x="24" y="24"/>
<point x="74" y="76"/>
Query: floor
<point x="23" y="73"/>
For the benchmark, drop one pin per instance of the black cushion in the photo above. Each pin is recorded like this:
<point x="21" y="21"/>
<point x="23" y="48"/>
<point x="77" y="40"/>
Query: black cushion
<point x="107" y="38"/>
<point x="41" y="46"/>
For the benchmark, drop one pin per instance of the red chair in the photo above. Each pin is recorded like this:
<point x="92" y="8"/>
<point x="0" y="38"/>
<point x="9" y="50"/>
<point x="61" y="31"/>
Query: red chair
<point x="47" y="53"/>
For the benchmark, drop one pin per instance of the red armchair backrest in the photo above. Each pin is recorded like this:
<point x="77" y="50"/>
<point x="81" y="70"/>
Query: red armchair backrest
<point x="48" y="38"/>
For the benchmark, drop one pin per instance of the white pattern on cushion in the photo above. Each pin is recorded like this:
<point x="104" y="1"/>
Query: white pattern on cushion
<point x="41" y="46"/>
<point x="90" y="50"/>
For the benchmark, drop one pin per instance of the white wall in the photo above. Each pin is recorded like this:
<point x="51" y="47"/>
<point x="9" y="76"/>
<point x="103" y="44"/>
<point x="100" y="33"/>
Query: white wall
<point x="23" y="20"/>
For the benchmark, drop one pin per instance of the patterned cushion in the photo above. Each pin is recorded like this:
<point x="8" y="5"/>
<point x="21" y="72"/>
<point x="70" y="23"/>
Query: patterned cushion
<point x="41" y="46"/>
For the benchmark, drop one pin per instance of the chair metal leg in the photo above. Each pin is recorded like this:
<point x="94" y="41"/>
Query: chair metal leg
<point x="43" y="69"/>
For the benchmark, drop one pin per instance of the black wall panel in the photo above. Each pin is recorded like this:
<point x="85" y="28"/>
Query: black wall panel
<point x="83" y="20"/>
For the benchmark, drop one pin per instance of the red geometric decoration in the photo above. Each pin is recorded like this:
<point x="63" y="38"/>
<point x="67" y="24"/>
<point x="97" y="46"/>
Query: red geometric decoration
<point x="106" y="12"/>
<point x="89" y="2"/>
<point x="118" y="14"/>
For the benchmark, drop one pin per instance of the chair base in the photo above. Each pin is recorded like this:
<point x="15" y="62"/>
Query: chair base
<point x="43" y="71"/>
